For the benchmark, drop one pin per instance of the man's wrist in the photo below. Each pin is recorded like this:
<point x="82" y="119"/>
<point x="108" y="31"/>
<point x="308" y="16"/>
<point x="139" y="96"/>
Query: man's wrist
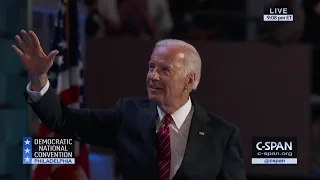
<point x="37" y="82"/>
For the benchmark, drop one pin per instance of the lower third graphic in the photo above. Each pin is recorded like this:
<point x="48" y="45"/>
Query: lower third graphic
<point x="274" y="150"/>
<point x="48" y="151"/>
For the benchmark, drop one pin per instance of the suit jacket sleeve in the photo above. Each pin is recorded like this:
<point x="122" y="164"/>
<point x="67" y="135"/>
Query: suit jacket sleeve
<point x="233" y="165"/>
<point x="97" y="127"/>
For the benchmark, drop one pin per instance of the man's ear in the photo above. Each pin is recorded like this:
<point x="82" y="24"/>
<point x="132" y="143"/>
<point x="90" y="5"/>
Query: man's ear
<point x="191" y="78"/>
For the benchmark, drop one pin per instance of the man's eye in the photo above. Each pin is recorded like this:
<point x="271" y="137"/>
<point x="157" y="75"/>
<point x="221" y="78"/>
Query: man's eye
<point x="165" y="69"/>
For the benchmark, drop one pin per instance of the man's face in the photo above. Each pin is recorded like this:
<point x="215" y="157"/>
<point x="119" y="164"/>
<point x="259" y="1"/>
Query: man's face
<point x="166" y="81"/>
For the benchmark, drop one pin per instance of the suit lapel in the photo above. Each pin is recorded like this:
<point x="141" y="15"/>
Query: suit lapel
<point x="198" y="133"/>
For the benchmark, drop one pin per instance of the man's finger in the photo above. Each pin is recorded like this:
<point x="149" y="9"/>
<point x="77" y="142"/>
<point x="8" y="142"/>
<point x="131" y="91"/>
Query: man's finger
<point x="17" y="50"/>
<point x="27" y="39"/>
<point x="34" y="39"/>
<point x="53" y="54"/>
<point x="21" y="44"/>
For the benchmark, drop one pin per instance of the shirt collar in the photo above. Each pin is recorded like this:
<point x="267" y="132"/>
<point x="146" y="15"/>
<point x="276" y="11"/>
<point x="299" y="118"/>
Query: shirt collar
<point x="180" y="115"/>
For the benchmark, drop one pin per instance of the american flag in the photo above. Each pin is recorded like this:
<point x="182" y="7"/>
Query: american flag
<point x="66" y="76"/>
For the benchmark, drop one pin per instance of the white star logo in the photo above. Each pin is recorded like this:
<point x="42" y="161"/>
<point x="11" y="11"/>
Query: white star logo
<point x="27" y="142"/>
<point x="27" y="159"/>
<point x="27" y="150"/>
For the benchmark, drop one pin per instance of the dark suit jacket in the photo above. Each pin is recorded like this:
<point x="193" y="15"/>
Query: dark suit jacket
<point x="129" y="129"/>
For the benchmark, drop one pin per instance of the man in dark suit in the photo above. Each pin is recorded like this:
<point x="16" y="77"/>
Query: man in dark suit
<point x="165" y="136"/>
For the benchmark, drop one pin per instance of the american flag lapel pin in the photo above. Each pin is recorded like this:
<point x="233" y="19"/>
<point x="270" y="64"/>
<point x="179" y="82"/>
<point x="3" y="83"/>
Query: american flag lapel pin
<point x="201" y="133"/>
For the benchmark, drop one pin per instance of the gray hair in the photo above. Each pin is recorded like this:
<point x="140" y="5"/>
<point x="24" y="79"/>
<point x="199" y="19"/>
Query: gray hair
<point x="192" y="58"/>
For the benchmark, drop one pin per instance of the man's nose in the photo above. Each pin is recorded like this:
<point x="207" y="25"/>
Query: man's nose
<point x="155" y="75"/>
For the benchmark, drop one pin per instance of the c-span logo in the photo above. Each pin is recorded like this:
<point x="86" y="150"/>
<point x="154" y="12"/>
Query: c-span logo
<point x="274" y="150"/>
<point x="48" y="151"/>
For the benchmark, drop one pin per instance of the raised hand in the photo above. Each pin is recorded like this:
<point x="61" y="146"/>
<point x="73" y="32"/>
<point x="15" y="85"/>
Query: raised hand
<point x="35" y="61"/>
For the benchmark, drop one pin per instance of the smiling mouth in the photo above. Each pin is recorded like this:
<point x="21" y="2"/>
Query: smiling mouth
<point x="155" y="88"/>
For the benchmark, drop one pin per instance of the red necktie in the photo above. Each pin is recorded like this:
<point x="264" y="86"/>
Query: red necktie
<point x="164" y="149"/>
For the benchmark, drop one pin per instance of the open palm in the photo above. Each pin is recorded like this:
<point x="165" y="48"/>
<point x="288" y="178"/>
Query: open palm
<point x="35" y="61"/>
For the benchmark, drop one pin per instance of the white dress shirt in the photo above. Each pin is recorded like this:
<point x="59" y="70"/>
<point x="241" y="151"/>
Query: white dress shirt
<point x="179" y="130"/>
<point x="36" y="95"/>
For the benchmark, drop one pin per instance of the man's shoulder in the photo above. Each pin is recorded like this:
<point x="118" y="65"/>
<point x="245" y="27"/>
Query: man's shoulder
<point x="222" y="124"/>
<point x="214" y="121"/>
<point x="222" y="128"/>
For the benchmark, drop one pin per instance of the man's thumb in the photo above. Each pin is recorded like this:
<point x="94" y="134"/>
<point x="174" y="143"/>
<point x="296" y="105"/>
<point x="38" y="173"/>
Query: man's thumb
<point x="53" y="54"/>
